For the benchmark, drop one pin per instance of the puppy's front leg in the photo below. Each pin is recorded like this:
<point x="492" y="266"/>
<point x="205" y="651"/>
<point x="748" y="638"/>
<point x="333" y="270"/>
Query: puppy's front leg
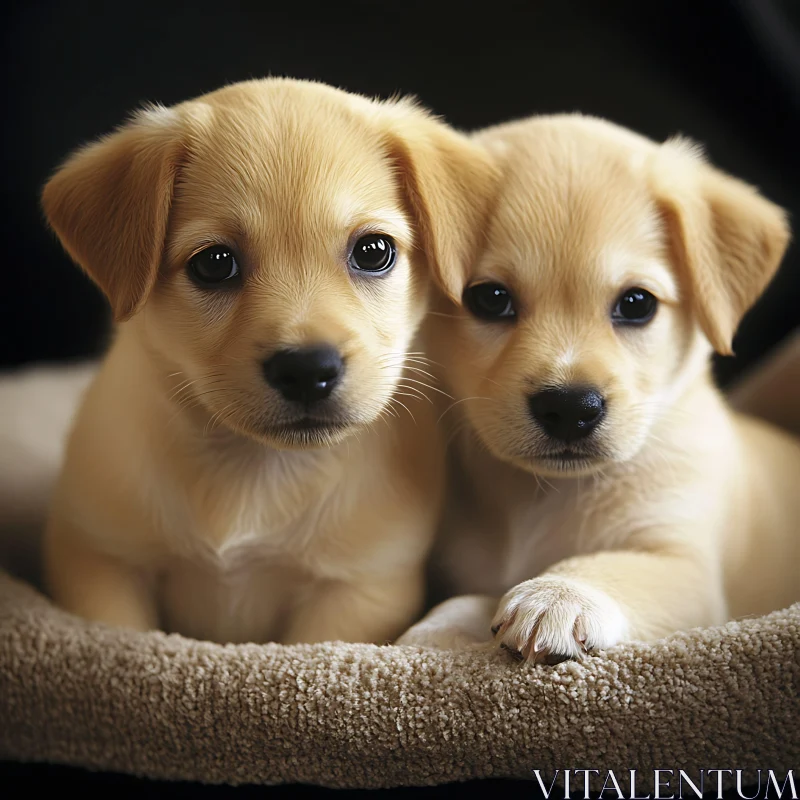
<point x="596" y="601"/>
<point x="456" y="623"/>
<point x="94" y="585"/>
<point x="374" y="610"/>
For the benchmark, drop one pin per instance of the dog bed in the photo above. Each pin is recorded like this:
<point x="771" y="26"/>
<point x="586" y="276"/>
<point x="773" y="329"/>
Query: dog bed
<point x="343" y="715"/>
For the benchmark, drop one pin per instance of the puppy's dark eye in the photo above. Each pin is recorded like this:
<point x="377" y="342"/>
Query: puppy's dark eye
<point x="375" y="253"/>
<point x="635" y="305"/>
<point x="214" y="266"/>
<point x="490" y="301"/>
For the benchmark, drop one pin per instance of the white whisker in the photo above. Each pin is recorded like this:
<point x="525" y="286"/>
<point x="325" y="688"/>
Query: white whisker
<point x="457" y="402"/>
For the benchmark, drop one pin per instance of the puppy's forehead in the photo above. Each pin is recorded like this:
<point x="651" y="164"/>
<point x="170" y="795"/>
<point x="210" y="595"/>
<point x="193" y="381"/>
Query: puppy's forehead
<point x="276" y="162"/>
<point x="573" y="205"/>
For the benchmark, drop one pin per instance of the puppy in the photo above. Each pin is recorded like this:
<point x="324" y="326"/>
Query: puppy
<point x="248" y="464"/>
<point x="600" y="484"/>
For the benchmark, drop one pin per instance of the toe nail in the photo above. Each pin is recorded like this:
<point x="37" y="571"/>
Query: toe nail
<point x="512" y="652"/>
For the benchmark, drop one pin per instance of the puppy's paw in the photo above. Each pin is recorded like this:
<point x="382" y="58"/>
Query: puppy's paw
<point x="438" y="637"/>
<point x="551" y="619"/>
<point x="458" y="623"/>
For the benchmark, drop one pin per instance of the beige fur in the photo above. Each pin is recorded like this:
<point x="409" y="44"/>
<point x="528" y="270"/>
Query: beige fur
<point x="185" y="502"/>
<point x="684" y="513"/>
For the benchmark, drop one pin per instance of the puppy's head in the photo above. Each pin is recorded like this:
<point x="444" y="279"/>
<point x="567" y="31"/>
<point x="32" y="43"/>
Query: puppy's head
<point x="271" y="244"/>
<point x="610" y="264"/>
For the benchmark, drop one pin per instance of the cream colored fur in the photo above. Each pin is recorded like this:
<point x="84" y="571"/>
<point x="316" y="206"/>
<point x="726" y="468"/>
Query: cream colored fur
<point x="184" y="504"/>
<point x="690" y="514"/>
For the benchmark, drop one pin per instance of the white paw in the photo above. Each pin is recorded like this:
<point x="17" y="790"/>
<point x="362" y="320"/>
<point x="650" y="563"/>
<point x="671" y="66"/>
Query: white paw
<point x="552" y="619"/>
<point x="438" y="637"/>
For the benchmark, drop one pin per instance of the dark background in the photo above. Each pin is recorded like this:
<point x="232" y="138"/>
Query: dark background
<point x="726" y="72"/>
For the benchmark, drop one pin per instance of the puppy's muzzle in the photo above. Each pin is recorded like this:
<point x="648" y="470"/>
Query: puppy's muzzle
<point x="305" y="375"/>
<point x="567" y="414"/>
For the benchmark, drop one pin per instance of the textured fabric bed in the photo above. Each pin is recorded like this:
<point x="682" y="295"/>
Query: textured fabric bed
<point x="365" y="716"/>
<point x="358" y="715"/>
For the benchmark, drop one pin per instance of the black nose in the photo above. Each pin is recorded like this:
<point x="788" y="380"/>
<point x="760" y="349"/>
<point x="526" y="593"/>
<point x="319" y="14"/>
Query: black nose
<point x="567" y="414"/>
<point x="305" y="374"/>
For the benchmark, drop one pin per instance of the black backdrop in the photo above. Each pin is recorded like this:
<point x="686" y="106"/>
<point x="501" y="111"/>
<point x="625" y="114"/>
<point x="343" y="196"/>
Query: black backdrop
<point x="726" y="72"/>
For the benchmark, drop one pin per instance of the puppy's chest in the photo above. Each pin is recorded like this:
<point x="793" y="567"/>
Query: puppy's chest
<point x="241" y="555"/>
<point x="269" y="519"/>
<point x="491" y="546"/>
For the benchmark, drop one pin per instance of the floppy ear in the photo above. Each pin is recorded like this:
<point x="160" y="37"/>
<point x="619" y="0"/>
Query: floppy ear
<point x="726" y="239"/>
<point x="449" y="182"/>
<point x="109" y="205"/>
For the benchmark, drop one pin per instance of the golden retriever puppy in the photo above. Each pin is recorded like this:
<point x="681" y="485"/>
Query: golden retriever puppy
<point x="600" y="483"/>
<point x="243" y="467"/>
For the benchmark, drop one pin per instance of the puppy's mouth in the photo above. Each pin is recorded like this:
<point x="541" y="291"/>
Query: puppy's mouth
<point x="570" y="454"/>
<point x="567" y="460"/>
<point x="309" y="431"/>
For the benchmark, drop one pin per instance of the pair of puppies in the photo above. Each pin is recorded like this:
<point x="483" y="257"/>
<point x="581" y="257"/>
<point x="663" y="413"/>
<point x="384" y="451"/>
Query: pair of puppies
<point x="268" y="248"/>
